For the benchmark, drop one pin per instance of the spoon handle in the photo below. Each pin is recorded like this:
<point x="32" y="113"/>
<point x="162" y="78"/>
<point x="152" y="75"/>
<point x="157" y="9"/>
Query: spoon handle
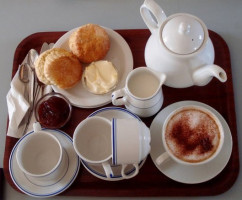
<point x="26" y="92"/>
<point x="33" y="85"/>
<point x="24" y="78"/>
<point x="27" y="118"/>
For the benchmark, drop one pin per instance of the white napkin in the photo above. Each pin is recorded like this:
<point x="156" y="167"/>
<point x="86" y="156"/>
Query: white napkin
<point x="18" y="106"/>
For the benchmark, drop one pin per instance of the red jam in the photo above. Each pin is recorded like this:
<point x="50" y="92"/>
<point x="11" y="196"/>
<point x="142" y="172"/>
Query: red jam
<point x="53" y="112"/>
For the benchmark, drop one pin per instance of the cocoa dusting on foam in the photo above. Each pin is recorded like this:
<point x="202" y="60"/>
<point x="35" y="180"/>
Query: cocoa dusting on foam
<point x="192" y="135"/>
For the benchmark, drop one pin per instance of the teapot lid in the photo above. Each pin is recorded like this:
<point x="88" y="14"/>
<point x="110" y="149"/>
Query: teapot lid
<point x="183" y="34"/>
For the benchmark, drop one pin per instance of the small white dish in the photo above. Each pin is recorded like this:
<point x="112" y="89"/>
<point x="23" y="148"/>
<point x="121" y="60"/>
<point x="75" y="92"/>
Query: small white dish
<point x="97" y="170"/>
<point x="182" y="173"/>
<point x="119" y="54"/>
<point x="38" y="188"/>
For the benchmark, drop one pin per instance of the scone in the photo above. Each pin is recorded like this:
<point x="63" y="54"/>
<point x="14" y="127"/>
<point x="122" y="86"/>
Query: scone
<point x="39" y="67"/>
<point x="89" y="43"/>
<point x="59" y="67"/>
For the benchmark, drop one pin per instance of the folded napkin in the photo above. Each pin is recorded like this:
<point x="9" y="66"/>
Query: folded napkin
<point x="18" y="106"/>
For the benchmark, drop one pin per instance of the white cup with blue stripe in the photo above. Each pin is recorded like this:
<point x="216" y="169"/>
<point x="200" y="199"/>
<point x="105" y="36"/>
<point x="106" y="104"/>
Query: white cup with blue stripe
<point x="40" y="156"/>
<point x="130" y="144"/>
<point x="142" y="93"/>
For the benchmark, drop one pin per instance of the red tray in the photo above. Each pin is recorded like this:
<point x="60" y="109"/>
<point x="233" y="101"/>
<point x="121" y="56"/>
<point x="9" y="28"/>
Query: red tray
<point x="150" y="181"/>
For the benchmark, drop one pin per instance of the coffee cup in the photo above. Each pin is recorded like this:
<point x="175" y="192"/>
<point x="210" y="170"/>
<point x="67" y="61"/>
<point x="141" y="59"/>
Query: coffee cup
<point x="41" y="157"/>
<point x="92" y="142"/>
<point x="130" y="144"/>
<point x="142" y="93"/>
<point x="191" y="135"/>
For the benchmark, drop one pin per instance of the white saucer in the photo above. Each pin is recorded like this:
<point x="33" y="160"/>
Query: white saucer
<point x="189" y="174"/>
<point x="97" y="170"/>
<point x="37" y="189"/>
<point x="119" y="54"/>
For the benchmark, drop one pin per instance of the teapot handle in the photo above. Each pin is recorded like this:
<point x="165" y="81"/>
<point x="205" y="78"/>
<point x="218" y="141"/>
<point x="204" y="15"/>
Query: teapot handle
<point x="152" y="14"/>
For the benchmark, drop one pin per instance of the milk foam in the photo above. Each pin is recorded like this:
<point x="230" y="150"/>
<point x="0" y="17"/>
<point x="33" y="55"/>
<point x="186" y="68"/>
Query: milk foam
<point x="192" y="135"/>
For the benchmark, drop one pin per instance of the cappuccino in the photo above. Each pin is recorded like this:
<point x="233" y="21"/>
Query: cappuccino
<point x="192" y="135"/>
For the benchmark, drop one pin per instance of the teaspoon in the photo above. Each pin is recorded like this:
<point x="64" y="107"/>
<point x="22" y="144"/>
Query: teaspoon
<point x="31" y="58"/>
<point x="24" y="77"/>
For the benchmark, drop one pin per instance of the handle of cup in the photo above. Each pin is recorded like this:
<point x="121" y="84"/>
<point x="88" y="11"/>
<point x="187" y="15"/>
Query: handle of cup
<point x="36" y="126"/>
<point x="152" y="22"/>
<point x="108" y="170"/>
<point x="119" y="97"/>
<point x="163" y="157"/>
<point x="131" y="175"/>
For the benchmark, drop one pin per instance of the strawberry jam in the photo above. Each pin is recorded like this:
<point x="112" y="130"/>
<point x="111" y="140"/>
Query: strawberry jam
<point x="53" y="112"/>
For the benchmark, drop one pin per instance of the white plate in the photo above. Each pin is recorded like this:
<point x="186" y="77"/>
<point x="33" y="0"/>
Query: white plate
<point x="119" y="54"/>
<point x="34" y="188"/>
<point x="97" y="170"/>
<point x="182" y="173"/>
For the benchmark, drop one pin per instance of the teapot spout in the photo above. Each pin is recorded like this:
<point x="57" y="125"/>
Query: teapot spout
<point x="203" y="75"/>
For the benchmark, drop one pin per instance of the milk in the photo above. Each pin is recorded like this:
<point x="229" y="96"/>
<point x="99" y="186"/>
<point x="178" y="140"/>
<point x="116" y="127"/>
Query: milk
<point x="143" y="84"/>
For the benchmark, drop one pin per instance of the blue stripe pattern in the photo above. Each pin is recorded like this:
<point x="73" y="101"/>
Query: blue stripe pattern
<point x="115" y="108"/>
<point x="114" y="135"/>
<point x="114" y="142"/>
<point x="35" y="194"/>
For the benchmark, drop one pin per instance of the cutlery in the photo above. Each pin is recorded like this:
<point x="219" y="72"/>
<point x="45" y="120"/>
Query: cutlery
<point x="24" y="77"/>
<point x="40" y="85"/>
<point x="36" y="85"/>
<point x="31" y="57"/>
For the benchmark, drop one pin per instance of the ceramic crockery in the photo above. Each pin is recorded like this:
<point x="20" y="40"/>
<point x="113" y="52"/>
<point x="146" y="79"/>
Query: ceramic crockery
<point x="199" y="129"/>
<point x="92" y="142"/>
<point x="125" y="141"/>
<point x="37" y="187"/>
<point x="130" y="143"/>
<point x="119" y="54"/>
<point x="179" y="47"/>
<point x="40" y="156"/>
<point x="97" y="170"/>
<point x="142" y="93"/>
<point x="187" y="173"/>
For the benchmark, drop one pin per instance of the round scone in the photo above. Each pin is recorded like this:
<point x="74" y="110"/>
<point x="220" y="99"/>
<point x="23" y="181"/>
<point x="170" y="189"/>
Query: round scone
<point x="39" y="67"/>
<point x="62" y="68"/>
<point x="89" y="43"/>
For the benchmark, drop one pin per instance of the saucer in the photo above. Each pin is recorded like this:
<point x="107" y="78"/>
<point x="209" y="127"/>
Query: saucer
<point x="34" y="187"/>
<point x="182" y="173"/>
<point x="114" y="112"/>
<point x="119" y="54"/>
<point x="97" y="170"/>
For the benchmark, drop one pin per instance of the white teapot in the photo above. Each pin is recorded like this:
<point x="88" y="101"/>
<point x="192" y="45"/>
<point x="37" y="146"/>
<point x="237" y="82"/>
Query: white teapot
<point x="179" y="47"/>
